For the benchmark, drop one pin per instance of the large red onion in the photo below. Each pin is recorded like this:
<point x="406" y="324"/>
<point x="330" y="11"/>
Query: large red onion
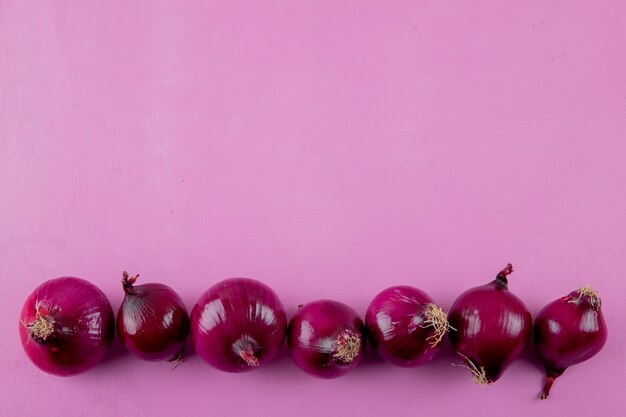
<point x="152" y="321"/>
<point x="326" y="338"/>
<point x="404" y="326"/>
<point x="238" y="325"/>
<point x="568" y="331"/>
<point x="493" y="327"/>
<point x="66" y="326"/>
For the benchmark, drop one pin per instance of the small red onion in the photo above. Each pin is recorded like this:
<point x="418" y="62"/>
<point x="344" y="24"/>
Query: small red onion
<point x="326" y="338"/>
<point x="568" y="331"/>
<point x="152" y="321"/>
<point x="66" y="326"/>
<point x="238" y="325"/>
<point x="493" y="328"/>
<point x="404" y="326"/>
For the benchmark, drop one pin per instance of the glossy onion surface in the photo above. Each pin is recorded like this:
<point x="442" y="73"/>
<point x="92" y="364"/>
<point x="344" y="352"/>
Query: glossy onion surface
<point x="326" y="338"/>
<point x="404" y="326"/>
<point x="568" y="331"/>
<point x="493" y="327"/>
<point x="66" y="326"/>
<point x="238" y="325"/>
<point x="152" y="321"/>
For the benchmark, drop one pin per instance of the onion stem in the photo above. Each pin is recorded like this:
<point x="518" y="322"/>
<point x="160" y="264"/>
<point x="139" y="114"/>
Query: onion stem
<point x="245" y="348"/>
<point x="546" y="388"/>
<point x="501" y="280"/>
<point x="128" y="281"/>
<point x="249" y="357"/>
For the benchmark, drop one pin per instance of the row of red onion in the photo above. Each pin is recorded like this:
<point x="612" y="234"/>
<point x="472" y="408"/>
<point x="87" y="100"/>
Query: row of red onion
<point x="239" y="324"/>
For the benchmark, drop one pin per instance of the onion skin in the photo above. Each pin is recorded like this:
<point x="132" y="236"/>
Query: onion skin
<point x="400" y="326"/>
<point x="568" y="331"/>
<point x="326" y="338"/>
<point x="238" y="325"/>
<point x="152" y="322"/>
<point x="66" y="326"/>
<point x="493" y="328"/>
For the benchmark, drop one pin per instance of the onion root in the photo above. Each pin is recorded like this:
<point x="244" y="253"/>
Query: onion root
<point x="42" y="327"/>
<point x="587" y="291"/>
<point x="438" y="320"/>
<point x="479" y="375"/>
<point x="347" y="346"/>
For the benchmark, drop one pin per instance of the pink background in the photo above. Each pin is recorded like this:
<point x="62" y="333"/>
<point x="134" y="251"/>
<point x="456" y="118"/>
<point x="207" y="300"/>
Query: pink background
<point x="329" y="150"/>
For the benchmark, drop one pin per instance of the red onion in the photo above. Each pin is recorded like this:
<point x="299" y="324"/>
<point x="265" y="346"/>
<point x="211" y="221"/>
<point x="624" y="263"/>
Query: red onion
<point x="66" y="326"/>
<point x="238" y="325"/>
<point x="404" y="326"/>
<point x="493" y="327"/>
<point x="568" y="331"/>
<point x="326" y="338"/>
<point x="152" y="321"/>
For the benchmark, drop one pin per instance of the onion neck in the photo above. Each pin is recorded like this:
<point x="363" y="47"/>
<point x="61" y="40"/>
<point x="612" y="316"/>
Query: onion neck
<point x="245" y="348"/>
<point x="249" y="358"/>
<point x="501" y="281"/>
<point x="551" y="376"/>
<point x="347" y="346"/>
<point x="128" y="281"/>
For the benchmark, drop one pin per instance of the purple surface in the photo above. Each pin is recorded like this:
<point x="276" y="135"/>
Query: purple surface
<point x="330" y="150"/>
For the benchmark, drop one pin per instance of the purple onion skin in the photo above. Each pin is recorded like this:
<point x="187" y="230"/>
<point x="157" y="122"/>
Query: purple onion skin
<point x="238" y="325"/>
<point x="568" y="331"/>
<point x="395" y="323"/>
<point x="66" y="326"/>
<point x="326" y="338"/>
<point x="152" y="322"/>
<point x="493" y="327"/>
